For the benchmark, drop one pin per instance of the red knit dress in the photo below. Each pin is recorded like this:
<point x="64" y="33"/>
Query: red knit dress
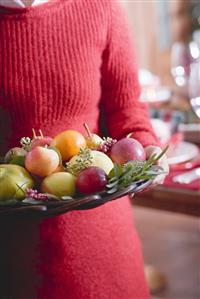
<point x="60" y="63"/>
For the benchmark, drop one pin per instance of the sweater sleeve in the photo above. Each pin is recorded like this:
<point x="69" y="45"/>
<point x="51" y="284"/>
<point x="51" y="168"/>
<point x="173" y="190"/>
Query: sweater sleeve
<point x="120" y="87"/>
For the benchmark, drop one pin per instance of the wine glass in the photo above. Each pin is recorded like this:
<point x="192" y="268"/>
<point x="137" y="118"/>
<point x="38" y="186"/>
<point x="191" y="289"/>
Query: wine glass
<point x="180" y="63"/>
<point x="194" y="86"/>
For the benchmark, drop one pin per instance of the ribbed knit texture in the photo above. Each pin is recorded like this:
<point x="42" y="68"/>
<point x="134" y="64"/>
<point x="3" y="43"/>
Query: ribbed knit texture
<point x="59" y="64"/>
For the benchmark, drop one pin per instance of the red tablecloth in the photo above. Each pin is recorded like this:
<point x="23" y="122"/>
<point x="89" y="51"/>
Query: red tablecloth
<point x="195" y="185"/>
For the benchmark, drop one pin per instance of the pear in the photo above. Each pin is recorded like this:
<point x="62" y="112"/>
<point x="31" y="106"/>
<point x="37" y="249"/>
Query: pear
<point x="93" y="141"/>
<point x="14" y="180"/>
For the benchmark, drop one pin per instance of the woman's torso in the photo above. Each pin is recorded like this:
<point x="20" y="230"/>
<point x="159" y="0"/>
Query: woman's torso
<point x="50" y="79"/>
<point x="50" y="65"/>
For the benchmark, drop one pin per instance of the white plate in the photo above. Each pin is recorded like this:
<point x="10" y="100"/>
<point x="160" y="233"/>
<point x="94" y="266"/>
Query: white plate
<point x="184" y="152"/>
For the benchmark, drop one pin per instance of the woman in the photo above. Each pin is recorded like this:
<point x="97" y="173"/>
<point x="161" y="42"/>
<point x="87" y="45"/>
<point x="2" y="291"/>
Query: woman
<point x="62" y="62"/>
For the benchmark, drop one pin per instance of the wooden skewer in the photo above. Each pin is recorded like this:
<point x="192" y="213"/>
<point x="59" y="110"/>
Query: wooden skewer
<point x="34" y="134"/>
<point x="87" y="130"/>
<point x="41" y="134"/>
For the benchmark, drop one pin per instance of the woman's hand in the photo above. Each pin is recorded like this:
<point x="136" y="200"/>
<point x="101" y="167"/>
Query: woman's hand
<point x="155" y="150"/>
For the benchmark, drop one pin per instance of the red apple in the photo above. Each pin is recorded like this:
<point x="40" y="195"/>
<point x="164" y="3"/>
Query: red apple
<point x="42" y="161"/>
<point x="41" y="141"/>
<point x="91" y="180"/>
<point x="127" y="149"/>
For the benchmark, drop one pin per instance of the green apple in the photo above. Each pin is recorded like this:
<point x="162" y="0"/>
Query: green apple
<point x="59" y="184"/>
<point x="16" y="156"/>
<point x="14" y="180"/>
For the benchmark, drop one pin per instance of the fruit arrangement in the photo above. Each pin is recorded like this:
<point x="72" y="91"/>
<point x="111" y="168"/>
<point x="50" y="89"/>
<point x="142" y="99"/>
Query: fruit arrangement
<point x="71" y="167"/>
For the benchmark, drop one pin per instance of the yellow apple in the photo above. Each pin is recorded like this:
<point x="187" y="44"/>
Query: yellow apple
<point x="98" y="159"/>
<point x="59" y="184"/>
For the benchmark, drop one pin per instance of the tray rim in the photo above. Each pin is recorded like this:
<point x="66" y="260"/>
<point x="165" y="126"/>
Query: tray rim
<point x="52" y="208"/>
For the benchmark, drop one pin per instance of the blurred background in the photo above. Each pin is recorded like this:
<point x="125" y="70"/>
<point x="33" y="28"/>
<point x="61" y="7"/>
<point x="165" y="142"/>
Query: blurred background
<point x="167" y="39"/>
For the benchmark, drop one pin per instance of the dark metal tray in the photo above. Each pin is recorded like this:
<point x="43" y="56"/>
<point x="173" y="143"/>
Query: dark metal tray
<point x="53" y="208"/>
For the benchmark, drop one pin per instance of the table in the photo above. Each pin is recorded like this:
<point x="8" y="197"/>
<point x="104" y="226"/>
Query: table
<point x="176" y="200"/>
<point x="169" y="199"/>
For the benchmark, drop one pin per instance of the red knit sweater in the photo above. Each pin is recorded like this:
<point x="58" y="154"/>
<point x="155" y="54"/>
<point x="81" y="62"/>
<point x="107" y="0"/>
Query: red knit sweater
<point x="60" y="63"/>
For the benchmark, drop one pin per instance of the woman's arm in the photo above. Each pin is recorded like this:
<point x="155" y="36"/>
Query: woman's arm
<point x="120" y="88"/>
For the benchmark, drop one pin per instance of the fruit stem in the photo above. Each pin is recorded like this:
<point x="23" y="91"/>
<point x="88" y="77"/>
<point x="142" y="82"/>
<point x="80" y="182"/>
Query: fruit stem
<point x="41" y="134"/>
<point x="87" y="130"/>
<point x="129" y="135"/>
<point x="34" y="134"/>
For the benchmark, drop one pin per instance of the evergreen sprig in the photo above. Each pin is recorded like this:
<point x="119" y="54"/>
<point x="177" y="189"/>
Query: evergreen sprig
<point x="121" y="176"/>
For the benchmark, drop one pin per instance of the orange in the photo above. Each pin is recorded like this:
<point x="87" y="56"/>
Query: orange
<point x="69" y="143"/>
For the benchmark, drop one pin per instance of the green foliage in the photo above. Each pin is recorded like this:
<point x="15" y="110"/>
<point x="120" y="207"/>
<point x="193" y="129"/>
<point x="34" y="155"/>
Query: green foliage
<point x="25" y="143"/>
<point x="83" y="161"/>
<point x="121" y="176"/>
